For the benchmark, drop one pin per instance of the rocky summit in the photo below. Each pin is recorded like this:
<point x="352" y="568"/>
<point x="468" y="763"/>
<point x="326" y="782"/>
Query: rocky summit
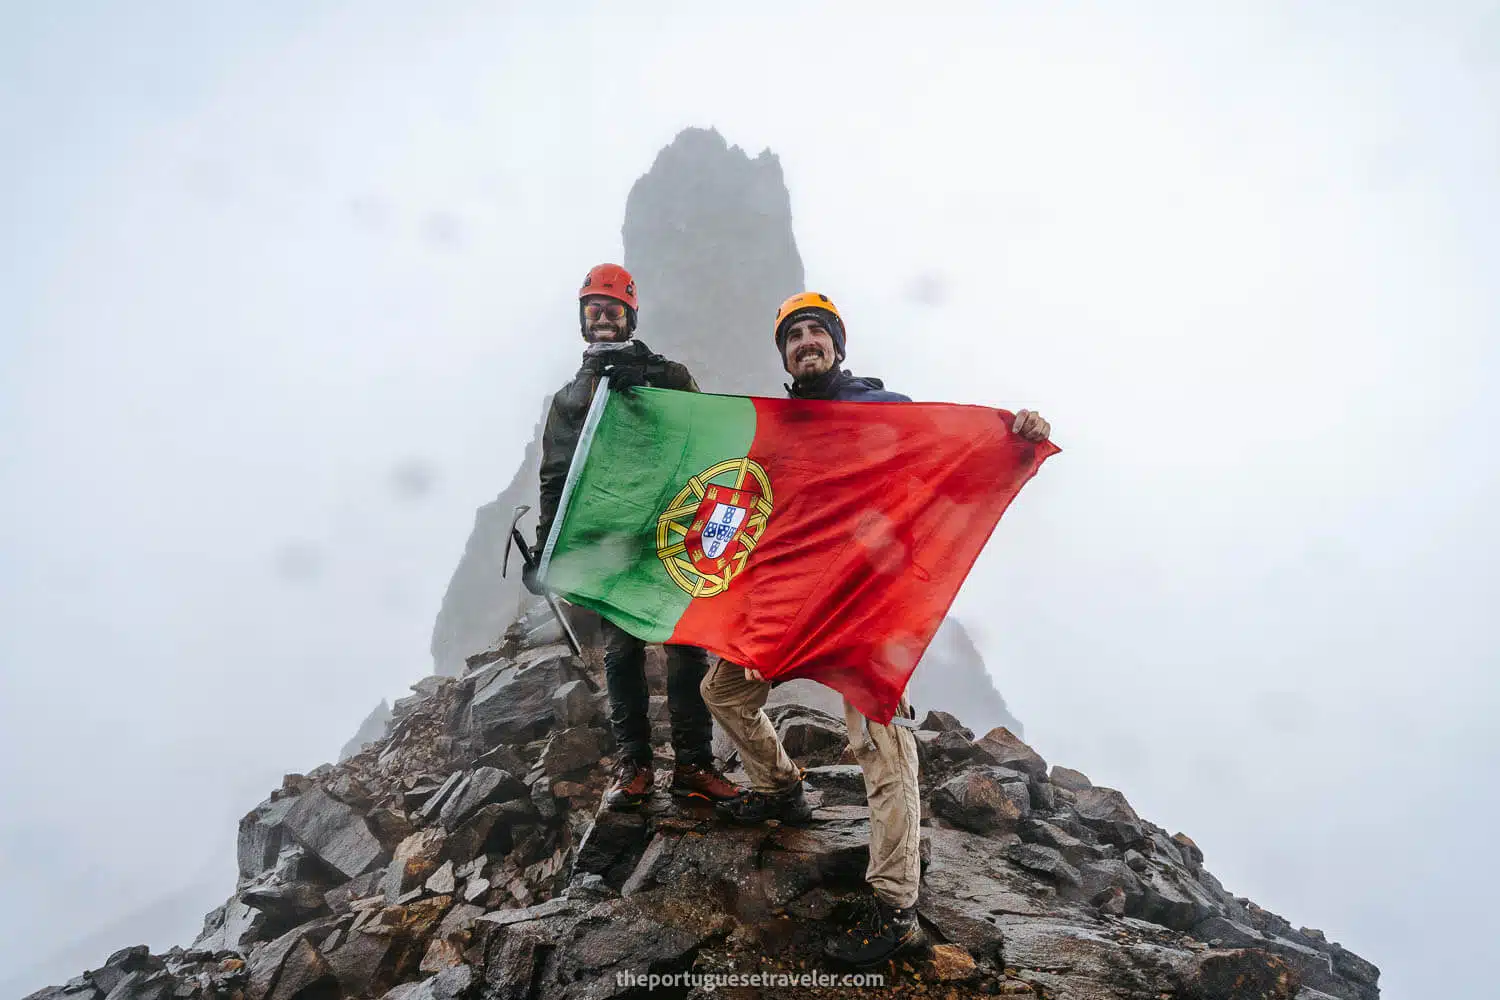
<point x="463" y="856"/>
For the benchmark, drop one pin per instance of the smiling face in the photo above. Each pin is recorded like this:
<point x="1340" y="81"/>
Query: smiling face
<point x="605" y="319"/>
<point x="809" y="350"/>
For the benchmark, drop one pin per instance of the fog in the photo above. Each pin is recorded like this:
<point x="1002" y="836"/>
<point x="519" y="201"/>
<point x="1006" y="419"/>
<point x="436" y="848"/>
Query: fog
<point x="284" y="285"/>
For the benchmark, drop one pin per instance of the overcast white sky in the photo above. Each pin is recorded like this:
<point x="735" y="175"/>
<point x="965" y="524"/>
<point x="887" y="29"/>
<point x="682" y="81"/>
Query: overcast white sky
<point x="266" y="270"/>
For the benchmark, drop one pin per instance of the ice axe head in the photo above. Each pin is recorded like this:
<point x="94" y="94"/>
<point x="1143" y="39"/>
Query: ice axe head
<point x="511" y="538"/>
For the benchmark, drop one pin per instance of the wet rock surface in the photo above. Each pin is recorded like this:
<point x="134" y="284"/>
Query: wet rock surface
<point x="477" y="863"/>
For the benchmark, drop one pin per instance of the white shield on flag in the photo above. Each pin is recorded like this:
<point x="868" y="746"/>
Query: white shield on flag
<point x="721" y="527"/>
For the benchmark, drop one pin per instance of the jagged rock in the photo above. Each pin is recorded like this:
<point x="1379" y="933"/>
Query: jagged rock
<point x="1240" y="974"/>
<point x="1099" y="876"/>
<point x="574" y="704"/>
<point x="454" y="783"/>
<point x="643" y="876"/>
<point x="287" y="902"/>
<point x="359" y="963"/>
<point x="1047" y="860"/>
<point x="942" y="722"/>
<point x="1351" y="966"/>
<point x="1316" y="968"/>
<point x="1163" y="848"/>
<point x="505" y="758"/>
<point x="1106" y="811"/>
<point x="156" y="985"/>
<point x="442" y="881"/>
<point x="83" y="991"/>
<point x="1186" y="844"/>
<point x="334" y="833"/>
<point x="1043" y="795"/>
<point x="1002" y="747"/>
<point x="127" y="962"/>
<point x="486" y="825"/>
<point x="339" y="897"/>
<point x="418" y="857"/>
<point x="511" y="964"/>
<point x="1067" y="958"/>
<point x="260" y="836"/>
<point x="453" y="983"/>
<point x="1073" y="781"/>
<point x="807" y="737"/>
<point x="411" y="991"/>
<point x="459" y="921"/>
<point x="441" y="954"/>
<point x="797" y="858"/>
<point x="350" y="790"/>
<point x="840" y="784"/>
<point x="551" y="908"/>
<point x="1076" y="850"/>
<point x="485" y="785"/>
<point x="983" y="800"/>
<point x="266" y="962"/>
<point x="650" y="930"/>
<point x="390" y="826"/>
<point x="948" y="963"/>
<point x="951" y="746"/>
<point x="517" y="704"/>
<point x="1110" y="900"/>
<point x="1171" y="902"/>
<point x="615" y="838"/>
<point x="305" y="973"/>
<point x="574" y="750"/>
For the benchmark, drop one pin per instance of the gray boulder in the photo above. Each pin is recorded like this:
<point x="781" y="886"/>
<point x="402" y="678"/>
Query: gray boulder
<point x="982" y="800"/>
<point x="516" y="705"/>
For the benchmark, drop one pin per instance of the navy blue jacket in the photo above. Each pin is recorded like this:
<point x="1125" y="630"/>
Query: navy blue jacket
<point x="841" y="385"/>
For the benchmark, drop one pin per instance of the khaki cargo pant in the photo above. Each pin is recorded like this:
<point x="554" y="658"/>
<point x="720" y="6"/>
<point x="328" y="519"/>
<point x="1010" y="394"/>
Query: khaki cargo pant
<point x="887" y="754"/>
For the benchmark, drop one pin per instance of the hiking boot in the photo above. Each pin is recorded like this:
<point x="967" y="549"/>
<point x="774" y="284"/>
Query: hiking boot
<point x="877" y="933"/>
<point x="750" y="807"/>
<point x="693" y="781"/>
<point x="632" y="784"/>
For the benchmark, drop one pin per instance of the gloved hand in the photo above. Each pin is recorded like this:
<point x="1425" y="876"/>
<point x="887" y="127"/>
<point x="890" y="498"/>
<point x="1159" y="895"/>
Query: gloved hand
<point x="530" y="582"/>
<point x="623" y="378"/>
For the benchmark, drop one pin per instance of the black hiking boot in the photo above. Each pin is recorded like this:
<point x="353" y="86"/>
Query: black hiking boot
<point x="750" y="807"/>
<point x="879" y="932"/>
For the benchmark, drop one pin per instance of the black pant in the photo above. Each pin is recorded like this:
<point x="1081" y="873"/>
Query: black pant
<point x="630" y="698"/>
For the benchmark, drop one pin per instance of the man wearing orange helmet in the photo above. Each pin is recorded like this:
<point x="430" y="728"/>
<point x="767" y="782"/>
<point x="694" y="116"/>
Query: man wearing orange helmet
<point x="607" y="314"/>
<point x="811" y="340"/>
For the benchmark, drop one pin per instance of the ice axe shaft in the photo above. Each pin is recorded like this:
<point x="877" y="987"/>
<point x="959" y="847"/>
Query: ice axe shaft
<point x="528" y="559"/>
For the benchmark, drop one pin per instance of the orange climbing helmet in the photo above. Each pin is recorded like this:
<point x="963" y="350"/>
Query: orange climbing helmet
<point x="612" y="281"/>
<point x="810" y="305"/>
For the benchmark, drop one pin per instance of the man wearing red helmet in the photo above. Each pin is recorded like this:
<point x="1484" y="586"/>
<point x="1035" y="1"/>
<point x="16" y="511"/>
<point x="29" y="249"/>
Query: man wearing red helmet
<point x="607" y="313"/>
<point x="811" y="340"/>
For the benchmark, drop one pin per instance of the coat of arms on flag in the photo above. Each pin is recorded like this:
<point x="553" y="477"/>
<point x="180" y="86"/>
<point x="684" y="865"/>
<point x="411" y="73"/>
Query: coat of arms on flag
<point x="712" y="525"/>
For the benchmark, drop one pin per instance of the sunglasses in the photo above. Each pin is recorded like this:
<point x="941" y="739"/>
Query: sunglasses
<point x="612" y="311"/>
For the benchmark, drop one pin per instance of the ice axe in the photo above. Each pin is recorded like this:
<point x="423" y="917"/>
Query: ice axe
<point x="528" y="558"/>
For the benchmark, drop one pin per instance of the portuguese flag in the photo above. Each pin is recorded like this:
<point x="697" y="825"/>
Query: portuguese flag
<point x="803" y="538"/>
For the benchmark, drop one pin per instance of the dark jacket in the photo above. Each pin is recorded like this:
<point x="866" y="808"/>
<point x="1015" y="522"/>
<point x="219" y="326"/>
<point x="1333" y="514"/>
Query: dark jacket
<point x="570" y="405"/>
<point x="841" y="385"/>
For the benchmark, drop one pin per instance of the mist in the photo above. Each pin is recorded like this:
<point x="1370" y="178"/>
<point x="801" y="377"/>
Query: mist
<point x="284" y="288"/>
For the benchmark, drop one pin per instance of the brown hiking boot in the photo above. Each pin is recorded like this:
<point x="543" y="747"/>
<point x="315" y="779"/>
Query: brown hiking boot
<point x="632" y="785"/>
<point x="693" y="781"/>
